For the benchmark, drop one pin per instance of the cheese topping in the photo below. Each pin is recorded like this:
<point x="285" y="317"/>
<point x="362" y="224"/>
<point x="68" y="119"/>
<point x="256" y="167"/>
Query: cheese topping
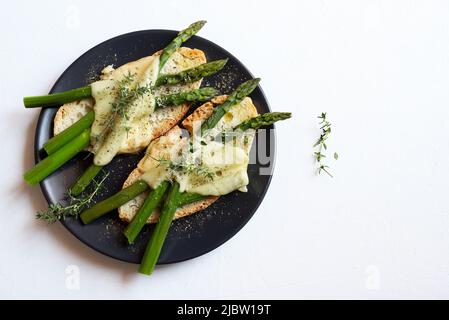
<point x="123" y="102"/>
<point x="207" y="166"/>
<point x="227" y="165"/>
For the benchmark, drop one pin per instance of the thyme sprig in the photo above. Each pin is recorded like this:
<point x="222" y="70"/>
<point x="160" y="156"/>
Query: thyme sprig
<point x="187" y="168"/>
<point x="320" y="144"/>
<point x="75" y="206"/>
<point x="125" y="96"/>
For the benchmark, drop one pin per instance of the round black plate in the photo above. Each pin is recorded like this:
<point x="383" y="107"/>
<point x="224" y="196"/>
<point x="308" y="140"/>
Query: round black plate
<point x="188" y="237"/>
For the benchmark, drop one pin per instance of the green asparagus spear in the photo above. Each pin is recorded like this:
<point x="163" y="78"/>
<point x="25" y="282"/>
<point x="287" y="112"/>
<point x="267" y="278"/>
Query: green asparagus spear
<point x="197" y="95"/>
<point x="157" y="239"/>
<point x="262" y="120"/>
<point x="187" y="197"/>
<point x="47" y="166"/>
<point x="69" y="134"/>
<point x="83" y="181"/>
<point x="56" y="99"/>
<point x="192" y="74"/>
<point x="182" y="36"/>
<point x="152" y="201"/>
<point x="186" y="76"/>
<point x="123" y="196"/>
<point x="234" y="98"/>
<point x="109" y="204"/>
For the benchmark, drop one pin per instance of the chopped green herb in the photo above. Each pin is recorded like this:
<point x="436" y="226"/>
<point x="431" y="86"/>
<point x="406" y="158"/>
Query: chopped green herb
<point x="321" y="144"/>
<point x="187" y="168"/>
<point x="76" y="205"/>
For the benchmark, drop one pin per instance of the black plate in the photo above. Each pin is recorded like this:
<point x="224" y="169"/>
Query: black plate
<point x="188" y="237"/>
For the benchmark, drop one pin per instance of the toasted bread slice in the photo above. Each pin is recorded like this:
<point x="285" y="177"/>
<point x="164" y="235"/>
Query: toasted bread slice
<point x="71" y="112"/>
<point x="163" y="119"/>
<point x="129" y="209"/>
<point x="203" y="112"/>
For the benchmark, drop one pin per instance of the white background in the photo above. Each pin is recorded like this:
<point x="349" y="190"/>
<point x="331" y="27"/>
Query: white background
<point x="379" y="229"/>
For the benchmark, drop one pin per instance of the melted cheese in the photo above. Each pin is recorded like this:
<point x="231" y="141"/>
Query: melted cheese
<point x="109" y="132"/>
<point x="225" y="161"/>
<point x="145" y="129"/>
<point x="228" y="165"/>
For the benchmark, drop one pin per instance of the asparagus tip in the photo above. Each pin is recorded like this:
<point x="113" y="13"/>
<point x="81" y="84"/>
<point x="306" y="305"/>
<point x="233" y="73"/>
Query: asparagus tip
<point x="223" y="62"/>
<point x="201" y="22"/>
<point x="196" y="26"/>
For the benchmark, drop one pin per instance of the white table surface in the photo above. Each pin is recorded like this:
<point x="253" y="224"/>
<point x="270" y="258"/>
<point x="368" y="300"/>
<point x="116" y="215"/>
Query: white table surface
<point x="379" y="229"/>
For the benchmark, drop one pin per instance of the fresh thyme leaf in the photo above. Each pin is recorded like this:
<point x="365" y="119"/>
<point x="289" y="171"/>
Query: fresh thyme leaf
<point x="319" y="156"/>
<point x="323" y="168"/>
<point x="187" y="168"/>
<point x="75" y="206"/>
<point x="325" y="127"/>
